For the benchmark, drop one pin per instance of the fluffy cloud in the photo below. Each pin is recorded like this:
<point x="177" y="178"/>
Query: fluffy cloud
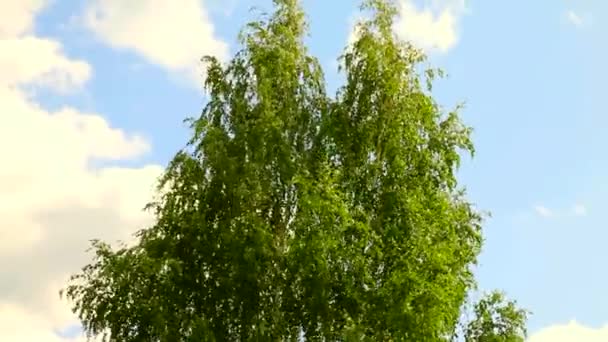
<point x="570" y="332"/>
<point x="433" y="27"/>
<point x="52" y="202"/>
<point x="39" y="61"/>
<point x="18" y="16"/>
<point x="16" y="325"/>
<point x="175" y="37"/>
<point x="27" y="59"/>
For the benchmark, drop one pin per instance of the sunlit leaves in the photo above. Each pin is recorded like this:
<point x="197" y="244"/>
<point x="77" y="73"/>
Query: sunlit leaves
<point x="291" y="214"/>
<point x="496" y="320"/>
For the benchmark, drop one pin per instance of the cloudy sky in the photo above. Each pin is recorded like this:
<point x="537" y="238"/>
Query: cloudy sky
<point x="93" y="93"/>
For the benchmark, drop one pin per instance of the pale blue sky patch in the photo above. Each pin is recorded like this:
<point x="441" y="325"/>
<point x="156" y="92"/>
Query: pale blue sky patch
<point x="532" y="73"/>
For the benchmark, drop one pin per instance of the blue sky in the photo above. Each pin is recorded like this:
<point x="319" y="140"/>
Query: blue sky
<point x="99" y="90"/>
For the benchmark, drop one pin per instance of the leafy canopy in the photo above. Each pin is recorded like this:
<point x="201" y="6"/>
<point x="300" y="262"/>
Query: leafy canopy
<point x="295" y="215"/>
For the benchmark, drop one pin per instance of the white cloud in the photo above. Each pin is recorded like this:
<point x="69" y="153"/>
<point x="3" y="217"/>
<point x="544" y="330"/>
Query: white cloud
<point x="579" y="210"/>
<point x="576" y="210"/>
<point x="353" y="29"/>
<point x="431" y="27"/>
<point x="51" y="201"/>
<point x="39" y="61"/>
<point x="26" y="59"/>
<point x="175" y="37"/>
<point x="571" y="332"/>
<point x="543" y="211"/>
<point x="17" y="325"/>
<point x="17" y="17"/>
<point x="574" y="18"/>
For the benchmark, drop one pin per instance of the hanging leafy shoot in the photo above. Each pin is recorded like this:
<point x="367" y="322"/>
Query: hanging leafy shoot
<point x="293" y="215"/>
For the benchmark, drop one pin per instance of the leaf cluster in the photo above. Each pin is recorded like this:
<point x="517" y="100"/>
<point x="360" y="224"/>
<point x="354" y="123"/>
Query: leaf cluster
<point x="296" y="215"/>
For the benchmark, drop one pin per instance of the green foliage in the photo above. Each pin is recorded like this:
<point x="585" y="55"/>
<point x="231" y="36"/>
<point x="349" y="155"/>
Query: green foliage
<point x="292" y="214"/>
<point x="497" y="320"/>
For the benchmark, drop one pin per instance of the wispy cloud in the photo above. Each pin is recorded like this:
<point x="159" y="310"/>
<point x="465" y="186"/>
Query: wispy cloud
<point x="543" y="211"/>
<point x="579" y="210"/>
<point x="574" y="18"/>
